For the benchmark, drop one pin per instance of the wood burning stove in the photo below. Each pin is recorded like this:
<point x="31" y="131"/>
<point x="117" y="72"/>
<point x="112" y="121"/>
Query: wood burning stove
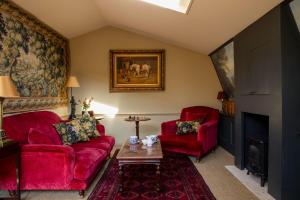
<point x="257" y="158"/>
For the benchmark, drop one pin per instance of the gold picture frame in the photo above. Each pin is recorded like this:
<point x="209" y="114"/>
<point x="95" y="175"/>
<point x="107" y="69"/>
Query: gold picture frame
<point x="137" y="70"/>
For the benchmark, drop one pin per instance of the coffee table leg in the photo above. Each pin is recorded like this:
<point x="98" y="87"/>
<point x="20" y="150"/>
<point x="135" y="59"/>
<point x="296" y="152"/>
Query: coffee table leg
<point x="158" y="176"/>
<point x="121" y="178"/>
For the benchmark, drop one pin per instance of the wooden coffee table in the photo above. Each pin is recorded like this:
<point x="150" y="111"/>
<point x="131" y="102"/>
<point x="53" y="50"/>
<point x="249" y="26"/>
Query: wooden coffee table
<point x="137" y="154"/>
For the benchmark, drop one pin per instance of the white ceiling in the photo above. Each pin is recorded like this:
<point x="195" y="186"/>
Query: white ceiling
<point x="208" y="25"/>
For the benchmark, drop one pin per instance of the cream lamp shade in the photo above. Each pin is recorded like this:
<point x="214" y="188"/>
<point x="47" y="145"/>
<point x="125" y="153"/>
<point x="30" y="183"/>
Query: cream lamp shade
<point x="7" y="88"/>
<point x="72" y="82"/>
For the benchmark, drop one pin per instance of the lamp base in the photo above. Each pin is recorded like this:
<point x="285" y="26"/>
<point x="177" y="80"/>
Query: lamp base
<point x="71" y="116"/>
<point x="73" y="108"/>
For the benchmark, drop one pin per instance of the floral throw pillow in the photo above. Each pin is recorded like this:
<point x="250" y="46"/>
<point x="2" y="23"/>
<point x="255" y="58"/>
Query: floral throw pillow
<point x="82" y="135"/>
<point x="67" y="133"/>
<point x="186" y="127"/>
<point x="88" y="125"/>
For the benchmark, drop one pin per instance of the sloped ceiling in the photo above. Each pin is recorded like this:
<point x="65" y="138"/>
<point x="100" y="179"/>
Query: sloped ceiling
<point x="209" y="23"/>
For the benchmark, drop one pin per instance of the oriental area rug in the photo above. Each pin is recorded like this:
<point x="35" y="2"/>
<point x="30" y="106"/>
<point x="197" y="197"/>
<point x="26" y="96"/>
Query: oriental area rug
<point x="180" y="180"/>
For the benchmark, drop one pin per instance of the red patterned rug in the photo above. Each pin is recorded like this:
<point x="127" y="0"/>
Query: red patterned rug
<point x="180" y="180"/>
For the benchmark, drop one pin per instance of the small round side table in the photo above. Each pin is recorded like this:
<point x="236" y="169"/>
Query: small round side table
<point x="137" y="121"/>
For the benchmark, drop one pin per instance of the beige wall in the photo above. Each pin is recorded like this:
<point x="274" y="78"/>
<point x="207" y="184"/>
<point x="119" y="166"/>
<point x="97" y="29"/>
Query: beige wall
<point x="190" y="80"/>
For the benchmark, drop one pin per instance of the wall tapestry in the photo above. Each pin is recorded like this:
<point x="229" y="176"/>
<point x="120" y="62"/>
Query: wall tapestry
<point x="35" y="57"/>
<point x="136" y="70"/>
<point x="223" y="60"/>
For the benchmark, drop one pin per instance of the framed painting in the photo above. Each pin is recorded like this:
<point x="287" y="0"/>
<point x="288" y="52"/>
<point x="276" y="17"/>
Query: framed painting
<point x="223" y="60"/>
<point x="137" y="70"/>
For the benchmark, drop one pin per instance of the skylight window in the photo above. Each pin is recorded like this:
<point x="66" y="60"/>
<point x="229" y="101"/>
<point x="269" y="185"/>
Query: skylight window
<point x="177" y="5"/>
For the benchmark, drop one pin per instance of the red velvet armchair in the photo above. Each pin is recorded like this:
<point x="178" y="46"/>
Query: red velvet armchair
<point x="192" y="144"/>
<point x="52" y="166"/>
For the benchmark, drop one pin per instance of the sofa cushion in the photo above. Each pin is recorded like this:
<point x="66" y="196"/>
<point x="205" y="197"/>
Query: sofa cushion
<point x="67" y="133"/>
<point x="103" y="146"/>
<point x="35" y="136"/>
<point x="182" y="141"/>
<point x="87" y="160"/>
<point x="82" y="135"/>
<point x="102" y="142"/>
<point x="187" y="127"/>
<point x="88" y="125"/>
<point x="104" y="138"/>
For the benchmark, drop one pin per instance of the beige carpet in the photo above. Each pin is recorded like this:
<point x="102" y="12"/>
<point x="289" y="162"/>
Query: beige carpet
<point x="220" y="181"/>
<point x="222" y="184"/>
<point x="251" y="182"/>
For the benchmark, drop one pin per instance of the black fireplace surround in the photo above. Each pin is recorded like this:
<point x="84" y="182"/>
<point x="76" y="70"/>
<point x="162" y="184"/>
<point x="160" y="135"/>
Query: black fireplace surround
<point x="267" y="97"/>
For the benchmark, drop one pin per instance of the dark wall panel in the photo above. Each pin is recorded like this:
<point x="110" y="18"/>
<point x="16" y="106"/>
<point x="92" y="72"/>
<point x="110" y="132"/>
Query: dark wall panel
<point x="258" y="88"/>
<point x="291" y="106"/>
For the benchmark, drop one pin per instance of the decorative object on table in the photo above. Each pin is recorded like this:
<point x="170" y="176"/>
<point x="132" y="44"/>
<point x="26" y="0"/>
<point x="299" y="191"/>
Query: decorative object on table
<point x="144" y="141"/>
<point x="153" y="138"/>
<point x="7" y="90"/>
<point x="86" y="104"/>
<point x="35" y="57"/>
<point x="91" y="113"/>
<point x="137" y="123"/>
<point x="222" y="96"/>
<point x="149" y="142"/>
<point x="181" y="180"/>
<point x="133" y="139"/>
<point x="229" y="107"/>
<point x="223" y="60"/>
<point x="137" y="70"/>
<point x="72" y="83"/>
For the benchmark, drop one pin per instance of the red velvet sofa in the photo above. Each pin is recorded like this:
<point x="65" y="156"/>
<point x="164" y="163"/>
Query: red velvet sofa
<point x="192" y="144"/>
<point x="52" y="166"/>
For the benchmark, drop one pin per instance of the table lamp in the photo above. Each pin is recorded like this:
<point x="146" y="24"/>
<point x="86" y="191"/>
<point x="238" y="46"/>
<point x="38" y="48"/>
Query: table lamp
<point x="72" y="83"/>
<point x="7" y="90"/>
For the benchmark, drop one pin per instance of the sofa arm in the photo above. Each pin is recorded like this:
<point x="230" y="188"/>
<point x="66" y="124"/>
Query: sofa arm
<point x="169" y="127"/>
<point x="47" y="166"/>
<point x="100" y="129"/>
<point x="207" y="135"/>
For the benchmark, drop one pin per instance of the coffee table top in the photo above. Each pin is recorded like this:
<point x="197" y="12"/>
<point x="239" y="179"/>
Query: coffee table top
<point x="139" y="151"/>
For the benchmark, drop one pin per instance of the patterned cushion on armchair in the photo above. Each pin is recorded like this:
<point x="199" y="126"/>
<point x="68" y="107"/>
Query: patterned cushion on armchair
<point x="187" y="127"/>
